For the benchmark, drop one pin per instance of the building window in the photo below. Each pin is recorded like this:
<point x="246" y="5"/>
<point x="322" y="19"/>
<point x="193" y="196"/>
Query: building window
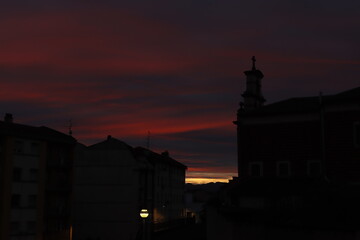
<point x="34" y="148"/>
<point x="17" y="174"/>
<point x="62" y="160"/>
<point x="283" y="168"/>
<point x="32" y="201"/>
<point x="357" y="134"/>
<point x="252" y="202"/>
<point x="15" y="227"/>
<point x="33" y="174"/>
<point x="16" y="201"/>
<point x="31" y="226"/>
<point x="314" y="168"/>
<point x="19" y="147"/>
<point x="255" y="169"/>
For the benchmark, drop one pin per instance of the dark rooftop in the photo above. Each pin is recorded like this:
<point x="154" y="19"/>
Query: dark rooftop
<point x="306" y="104"/>
<point x="160" y="158"/>
<point x="40" y="133"/>
<point x="111" y="144"/>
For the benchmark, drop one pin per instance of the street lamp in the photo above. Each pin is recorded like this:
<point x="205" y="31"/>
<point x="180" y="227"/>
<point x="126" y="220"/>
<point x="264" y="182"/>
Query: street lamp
<point x="144" y="213"/>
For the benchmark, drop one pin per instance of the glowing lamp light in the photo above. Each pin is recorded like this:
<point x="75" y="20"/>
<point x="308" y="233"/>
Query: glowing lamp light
<point x="144" y="213"/>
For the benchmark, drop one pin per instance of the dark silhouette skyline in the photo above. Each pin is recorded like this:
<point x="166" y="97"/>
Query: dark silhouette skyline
<point x="171" y="68"/>
<point x="298" y="169"/>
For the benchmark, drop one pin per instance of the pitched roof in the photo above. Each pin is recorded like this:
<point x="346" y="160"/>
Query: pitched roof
<point x="110" y="144"/>
<point x="40" y="133"/>
<point x="352" y="93"/>
<point x="158" y="158"/>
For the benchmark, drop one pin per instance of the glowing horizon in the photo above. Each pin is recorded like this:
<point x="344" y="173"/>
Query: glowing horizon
<point x="198" y="181"/>
<point x="208" y="176"/>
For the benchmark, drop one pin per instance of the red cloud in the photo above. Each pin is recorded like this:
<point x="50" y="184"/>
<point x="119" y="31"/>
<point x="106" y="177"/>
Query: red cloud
<point x="89" y="41"/>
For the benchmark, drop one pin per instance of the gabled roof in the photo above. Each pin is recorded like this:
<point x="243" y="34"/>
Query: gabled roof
<point x="352" y="93"/>
<point x="305" y="104"/>
<point x="163" y="158"/>
<point x="39" y="133"/>
<point x="111" y="144"/>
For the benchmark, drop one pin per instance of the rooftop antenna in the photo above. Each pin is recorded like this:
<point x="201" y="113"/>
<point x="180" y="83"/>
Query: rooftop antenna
<point x="148" y="140"/>
<point x="322" y="136"/>
<point x="70" y="127"/>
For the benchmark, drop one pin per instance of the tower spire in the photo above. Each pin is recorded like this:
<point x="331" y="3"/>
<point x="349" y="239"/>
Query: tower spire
<point x="253" y="97"/>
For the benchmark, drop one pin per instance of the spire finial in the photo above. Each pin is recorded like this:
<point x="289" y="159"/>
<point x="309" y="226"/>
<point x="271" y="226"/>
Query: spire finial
<point x="253" y="63"/>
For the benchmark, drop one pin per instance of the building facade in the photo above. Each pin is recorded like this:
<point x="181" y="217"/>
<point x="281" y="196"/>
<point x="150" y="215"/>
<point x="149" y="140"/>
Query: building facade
<point x="106" y="183"/>
<point x="301" y="137"/>
<point x="35" y="181"/>
<point x="114" y="181"/>
<point x="166" y="198"/>
<point x="298" y="168"/>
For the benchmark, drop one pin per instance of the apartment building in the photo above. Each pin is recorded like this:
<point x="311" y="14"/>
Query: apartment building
<point x="35" y="182"/>
<point x="114" y="181"/>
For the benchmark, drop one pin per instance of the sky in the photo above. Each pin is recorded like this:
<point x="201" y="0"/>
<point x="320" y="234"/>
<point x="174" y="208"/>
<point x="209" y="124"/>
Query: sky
<point x="169" y="71"/>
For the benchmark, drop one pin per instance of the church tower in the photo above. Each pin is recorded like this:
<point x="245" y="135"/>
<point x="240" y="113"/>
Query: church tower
<point x="253" y="97"/>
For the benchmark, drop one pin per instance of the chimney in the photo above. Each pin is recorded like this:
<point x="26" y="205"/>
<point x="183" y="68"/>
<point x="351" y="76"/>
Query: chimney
<point x="8" y="118"/>
<point x="165" y="154"/>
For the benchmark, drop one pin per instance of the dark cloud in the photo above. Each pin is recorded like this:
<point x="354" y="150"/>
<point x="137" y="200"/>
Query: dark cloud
<point x="174" y="68"/>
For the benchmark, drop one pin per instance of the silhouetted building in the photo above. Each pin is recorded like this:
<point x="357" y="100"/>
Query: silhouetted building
<point x="106" y="187"/>
<point x="302" y="137"/>
<point x="114" y="181"/>
<point x="165" y="193"/>
<point x="196" y="197"/>
<point x="35" y="182"/>
<point x="298" y="166"/>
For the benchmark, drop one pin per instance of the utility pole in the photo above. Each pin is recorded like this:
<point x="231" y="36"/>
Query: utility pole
<point x="322" y="136"/>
